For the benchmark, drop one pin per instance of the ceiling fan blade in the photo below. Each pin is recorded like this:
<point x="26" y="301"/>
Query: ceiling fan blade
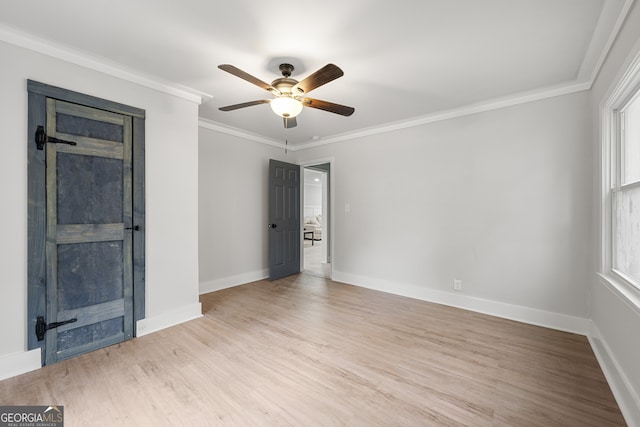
<point x="343" y="110"/>
<point x="290" y="122"/>
<point x="323" y="76"/>
<point x="244" y="104"/>
<point x="248" y="77"/>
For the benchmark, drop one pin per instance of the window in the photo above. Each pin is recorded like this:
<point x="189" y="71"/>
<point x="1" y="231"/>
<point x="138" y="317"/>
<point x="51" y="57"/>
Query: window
<point x="621" y="181"/>
<point x="625" y="204"/>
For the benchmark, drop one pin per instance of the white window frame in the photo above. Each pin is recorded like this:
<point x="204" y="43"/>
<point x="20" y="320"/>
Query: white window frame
<point x="627" y="86"/>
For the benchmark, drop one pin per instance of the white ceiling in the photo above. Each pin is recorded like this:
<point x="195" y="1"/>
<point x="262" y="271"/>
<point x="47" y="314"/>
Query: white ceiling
<point x="403" y="61"/>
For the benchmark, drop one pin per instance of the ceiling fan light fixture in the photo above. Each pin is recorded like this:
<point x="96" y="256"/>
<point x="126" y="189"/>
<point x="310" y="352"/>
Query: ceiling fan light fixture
<point x="286" y="106"/>
<point x="288" y="92"/>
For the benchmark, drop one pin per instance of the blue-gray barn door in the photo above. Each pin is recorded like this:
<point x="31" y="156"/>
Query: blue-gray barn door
<point x="85" y="202"/>
<point x="284" y="219"/>
<point x="89" y="229"/>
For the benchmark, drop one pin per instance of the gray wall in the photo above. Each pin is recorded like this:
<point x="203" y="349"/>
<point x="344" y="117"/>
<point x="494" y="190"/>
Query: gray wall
<point x="616" y="318"/>
<point x="506" y="200"/>
<point x="233" y="209"/>
<point x="500" y="200"/>
<point x="171" y="194"/>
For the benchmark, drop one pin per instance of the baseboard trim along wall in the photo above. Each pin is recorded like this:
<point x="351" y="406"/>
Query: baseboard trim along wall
<point x="627" y="399"/>
<point x="231" y="281"/>
<point x="168" y="319"/>
<point x="547" y="319"/>
<point x="20" y="363"/>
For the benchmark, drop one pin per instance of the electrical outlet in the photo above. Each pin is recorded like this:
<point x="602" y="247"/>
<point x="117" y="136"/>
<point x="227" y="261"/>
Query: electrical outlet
<point x="457" y="284"/>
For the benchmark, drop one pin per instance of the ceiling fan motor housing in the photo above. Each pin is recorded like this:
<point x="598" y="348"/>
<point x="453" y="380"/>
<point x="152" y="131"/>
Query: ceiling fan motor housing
<point x="284" y="85"/>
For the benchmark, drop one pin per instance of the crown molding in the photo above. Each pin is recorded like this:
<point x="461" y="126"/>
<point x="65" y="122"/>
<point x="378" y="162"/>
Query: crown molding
<point x="597" y="51"/>
<point x="84" y="59"/>
<point x="494" y="104"/>
<point x="219" y="127"/>
<point x="612" y="16"/>
<point x="490" y="105"/>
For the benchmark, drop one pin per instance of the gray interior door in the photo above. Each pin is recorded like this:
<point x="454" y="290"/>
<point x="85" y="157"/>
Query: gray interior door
<point x="89" y="229"/>
<point x="284" y="219"/>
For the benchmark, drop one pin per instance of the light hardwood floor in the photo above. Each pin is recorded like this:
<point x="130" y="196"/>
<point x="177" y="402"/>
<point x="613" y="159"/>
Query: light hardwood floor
<point x="306" y="351"/>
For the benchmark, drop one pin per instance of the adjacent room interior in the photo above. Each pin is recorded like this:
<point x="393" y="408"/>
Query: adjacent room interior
<point x="316" y="220"/>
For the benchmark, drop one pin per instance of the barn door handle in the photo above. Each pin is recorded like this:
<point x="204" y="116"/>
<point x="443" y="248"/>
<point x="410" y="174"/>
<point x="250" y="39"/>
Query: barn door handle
<point x="42" y="138"/>
<point x="135" y="228"/>
<point x="42" y="327"/>
<point x="272" y="225"/>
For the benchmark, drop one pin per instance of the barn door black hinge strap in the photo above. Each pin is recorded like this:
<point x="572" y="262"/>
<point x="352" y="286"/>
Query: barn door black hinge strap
<point x="42" y="327"/>
<point x="42" y="138"/>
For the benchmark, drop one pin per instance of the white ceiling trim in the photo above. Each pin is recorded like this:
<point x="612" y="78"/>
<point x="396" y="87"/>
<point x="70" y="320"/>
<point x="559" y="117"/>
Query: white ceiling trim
<point x="494" y="104"/>
<point x="455" y="113"/>
<point x="218" y="127"/>
<point x="598" y="49"/>
<point x="602" y="40"/>
<point x="85" y="59"/>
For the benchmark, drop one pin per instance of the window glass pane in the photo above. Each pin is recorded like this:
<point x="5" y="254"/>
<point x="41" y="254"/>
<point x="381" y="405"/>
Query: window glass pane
<point x="631" y="143"/>
<point x="626" y="241"/>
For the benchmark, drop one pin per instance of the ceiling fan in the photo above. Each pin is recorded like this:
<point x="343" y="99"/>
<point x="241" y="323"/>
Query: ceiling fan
<point x="290" y="94"/>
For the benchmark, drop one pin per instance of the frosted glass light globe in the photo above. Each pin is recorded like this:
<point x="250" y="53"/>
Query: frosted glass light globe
<point x="286" y="106"/>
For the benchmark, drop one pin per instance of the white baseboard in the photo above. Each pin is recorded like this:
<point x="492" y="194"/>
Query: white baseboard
<point x="20" y="363"/>
<point x="625" y="395"/>
<point x="547" y="319"/>
<point x="627" y="399"/>
<point x="168" y="319"/>
<point x="231" y="281"/>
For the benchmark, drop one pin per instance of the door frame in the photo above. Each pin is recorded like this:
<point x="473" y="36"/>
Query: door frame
<point x="36" y="190"/>
<point x="328" y="217"/>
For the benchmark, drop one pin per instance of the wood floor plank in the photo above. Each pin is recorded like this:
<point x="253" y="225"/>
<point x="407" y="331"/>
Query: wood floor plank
<point x="306" y="351"/>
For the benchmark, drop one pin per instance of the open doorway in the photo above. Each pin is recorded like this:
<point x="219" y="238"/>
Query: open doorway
<point x="316" y="220"/>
